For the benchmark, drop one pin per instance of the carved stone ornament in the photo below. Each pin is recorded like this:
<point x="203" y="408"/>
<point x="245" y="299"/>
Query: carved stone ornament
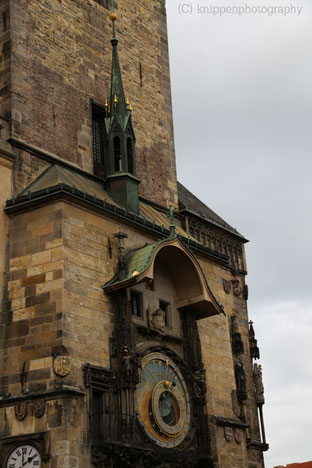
<point x="97" y="376"/>
<point x="241" y="381"/>
<point x="237" y="343"/>
<point x="227" y="286"/>
<point x="130" y="365"/>
<point x="238" y="434"/>
<point x="157" y="320"/>
<point x="237" y="290"/>
<point x="254" y="349"/>
<point x="62" y="365"/>
<point x="200" y="385"/>
<point x="21" y="410"/>
<point x="228" y="433"/>
<point x="39" y="407"/>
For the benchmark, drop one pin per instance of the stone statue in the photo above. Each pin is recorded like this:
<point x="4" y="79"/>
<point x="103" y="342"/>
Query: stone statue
<point x="126" y="358"/>
<point x="237" y="343"/>
<point x="241" y="381"/>
<point x="200" y="385"/>
<point x="157" y="320"/>
<point x="130" y="365"/>
<point x="235" y="326"/>
<point x="259" y="389"/>
<point x="251" y="331"/>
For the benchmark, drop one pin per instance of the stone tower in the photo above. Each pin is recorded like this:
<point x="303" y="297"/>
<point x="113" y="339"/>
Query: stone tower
<point x="124" y="333"/>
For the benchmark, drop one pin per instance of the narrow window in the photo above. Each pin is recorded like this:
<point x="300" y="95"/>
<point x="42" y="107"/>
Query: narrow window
<point x="97" y="414"/>
<point x="98" y="141"/>
<point x="117" y="154"/>
<point x="4" y="20"/>
<point x="165" y="307"/>
<point x="130" y="155"/>
<point x="136" y="304"/>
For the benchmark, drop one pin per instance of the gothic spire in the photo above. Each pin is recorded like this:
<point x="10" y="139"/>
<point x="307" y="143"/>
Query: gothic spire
<point x="119" y="141"/>
<point x="118" y="104"/>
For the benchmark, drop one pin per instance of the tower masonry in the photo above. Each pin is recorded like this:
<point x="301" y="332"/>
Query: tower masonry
<point x="125" y="339"/>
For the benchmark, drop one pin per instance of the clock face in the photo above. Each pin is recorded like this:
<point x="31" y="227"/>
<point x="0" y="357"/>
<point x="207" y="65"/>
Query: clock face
<point x="24" y="456"/>
<point x="163" y="401"/>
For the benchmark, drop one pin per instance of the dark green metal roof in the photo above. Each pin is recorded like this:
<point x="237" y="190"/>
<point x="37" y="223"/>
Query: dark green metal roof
<point x="137" y="261"/>
<point x="58" y="180"/>
<point x="56" y="175"/>
<point x="190" y="203"/>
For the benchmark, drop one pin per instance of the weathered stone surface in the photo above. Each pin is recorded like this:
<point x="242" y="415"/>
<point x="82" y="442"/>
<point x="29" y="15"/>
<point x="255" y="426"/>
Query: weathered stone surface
<point x="61" y="61"/>
<point x="55" y="60"/>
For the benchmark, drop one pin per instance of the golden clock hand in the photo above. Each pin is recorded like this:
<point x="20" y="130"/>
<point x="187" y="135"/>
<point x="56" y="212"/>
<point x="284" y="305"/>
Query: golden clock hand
<point x="166" y="372"/>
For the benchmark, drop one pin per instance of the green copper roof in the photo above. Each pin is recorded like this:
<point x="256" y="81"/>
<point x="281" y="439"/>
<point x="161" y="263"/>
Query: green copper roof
<point x="137" y="261"/>
<point x="117" y="90"/>
<point x="56" y="175"/>
<point x="68" y="180"/>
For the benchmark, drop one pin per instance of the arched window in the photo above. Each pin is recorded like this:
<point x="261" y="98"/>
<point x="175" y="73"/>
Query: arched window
<point x="130" y="155"/>
<point x="117" y="154"/>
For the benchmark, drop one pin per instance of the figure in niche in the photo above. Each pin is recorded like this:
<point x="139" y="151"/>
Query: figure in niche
<point x="127" y="358"/>
<point x="259" y="389"/>
<point x="157" y="320"/>
<point x="241" y="382"/>
<point x="130" y="365"/>
<point x="237" y="343"/>
<point x="200" y="385"/>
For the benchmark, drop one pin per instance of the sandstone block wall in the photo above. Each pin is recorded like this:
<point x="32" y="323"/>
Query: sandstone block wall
<point x="31" y="322"/>
<point x="219" y="361"/>
<point x="62" y="427"/>
<point x="59" y="258"/>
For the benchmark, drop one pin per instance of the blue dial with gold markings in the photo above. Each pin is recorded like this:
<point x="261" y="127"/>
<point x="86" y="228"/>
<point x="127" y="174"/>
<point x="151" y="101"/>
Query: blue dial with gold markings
<point x="163" y="401"/>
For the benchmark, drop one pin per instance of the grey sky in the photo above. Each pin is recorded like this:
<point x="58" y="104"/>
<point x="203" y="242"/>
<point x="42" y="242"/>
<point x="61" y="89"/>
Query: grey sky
<point x="242" y="103"/>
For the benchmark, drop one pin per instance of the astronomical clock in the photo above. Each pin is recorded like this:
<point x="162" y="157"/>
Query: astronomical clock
<point x="163" y="401"/>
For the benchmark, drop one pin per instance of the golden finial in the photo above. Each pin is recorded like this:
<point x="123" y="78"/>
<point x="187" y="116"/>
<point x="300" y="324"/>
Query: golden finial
<point x="130" y="107"/>
<point x="127" y="102"/>
<point x="115" y="101"/>
<point x="106" y="104"/>
<point x="113" y="16"/>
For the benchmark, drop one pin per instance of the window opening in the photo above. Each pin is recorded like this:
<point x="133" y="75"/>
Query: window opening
<point x="117" y="154"/>
<point x="136" y="304"/>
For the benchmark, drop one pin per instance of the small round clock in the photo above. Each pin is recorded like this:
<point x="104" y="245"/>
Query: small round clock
<point x="163" y="401"/>
<point x="24" y="456"/>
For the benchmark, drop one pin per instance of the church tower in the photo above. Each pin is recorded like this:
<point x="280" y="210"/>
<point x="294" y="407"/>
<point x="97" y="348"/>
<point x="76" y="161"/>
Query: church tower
<point x="124" y="333"/>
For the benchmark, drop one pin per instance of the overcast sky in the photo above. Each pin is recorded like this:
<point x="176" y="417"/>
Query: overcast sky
<point x="242" y="99"/>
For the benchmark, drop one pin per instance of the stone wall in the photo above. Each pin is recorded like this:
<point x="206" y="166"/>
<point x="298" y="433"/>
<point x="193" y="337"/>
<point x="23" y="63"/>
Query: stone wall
<point x="59" y="258"/>
<point x="61" y="57"/>
<point x="219" y="361"/>
<point x="60" y="255"/>
<point x="5" y="58"/>
<point x="31" y="322"/>
<point x="61" y="431"/>
<point x="5" y="192"/>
